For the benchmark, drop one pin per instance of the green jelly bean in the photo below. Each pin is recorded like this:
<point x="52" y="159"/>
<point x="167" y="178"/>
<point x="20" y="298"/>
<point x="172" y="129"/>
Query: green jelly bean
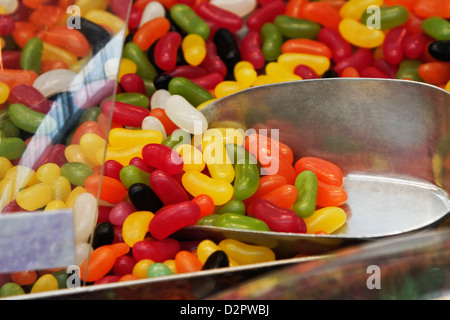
<point x="240" y="222"/>
<point x="209" y="220"/>
<point x="158" y="269"/>
<point x="145" y="69"/>
<point x="177" y="138"/>
<point x="31" y="56"/>
<point x="61" y="277"/>
<point x="135" y="99"/>
<point x="76" y="172"/>
<point x="233" y="206"/>
<point x="90" y="114"/>
<point x="390" y="17"/>
<point x="149" y="87"/>
<point x="186" y="18"/>
<point x="271" y="41"/>
<point x="437" y="28"/>
<point x="246" y="181"/>
<point x="191" y="91"/>
<point x="238" y="154"/>
<point x="11" y="289"/>
<point x="30" y="120"/>
<point x="307" y="185"/>
<point x="7" y="127"/>
<point x="130" y="175"/>
<point x="12" y="148"/>
<point x="292" y="27"/>
<point x="408" y="69"/>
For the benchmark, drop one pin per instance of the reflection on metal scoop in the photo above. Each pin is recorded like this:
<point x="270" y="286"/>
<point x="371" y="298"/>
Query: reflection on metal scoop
<point x="390" y="138"/>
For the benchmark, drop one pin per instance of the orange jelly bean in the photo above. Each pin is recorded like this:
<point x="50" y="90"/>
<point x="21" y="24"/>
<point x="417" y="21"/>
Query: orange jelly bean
<point x="13" y="77"/>
<point x="186" y="261"/>
<point x="70" y="39"/>
<point x="294" y="8"/>
<point x="325" y="171"/>
<point x="151" y="31"/>
<point x="430" y="8"/>
<point x="435" y="72"/>
<point x="330" y="196"/>
<point x="322" y="13"/>
<point x="100" y="261"/>
<point x="283" y="197"/>
<point x="45" y="16"/>
<point x="23" y="31"/>
<point x="24" y="278"/>
<point x="306" y="46"/>
<point x="112" y="190"/>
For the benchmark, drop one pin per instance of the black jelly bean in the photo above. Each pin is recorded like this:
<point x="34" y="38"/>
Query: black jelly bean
<point x="144" y="198"/>
<point x="217" y="259"/>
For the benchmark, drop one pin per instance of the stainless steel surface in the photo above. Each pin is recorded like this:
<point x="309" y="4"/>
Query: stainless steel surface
<point x="390" y="138"/>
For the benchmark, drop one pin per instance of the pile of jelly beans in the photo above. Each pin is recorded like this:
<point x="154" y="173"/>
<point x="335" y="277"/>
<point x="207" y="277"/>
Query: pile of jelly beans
<point x="137" y="170"/>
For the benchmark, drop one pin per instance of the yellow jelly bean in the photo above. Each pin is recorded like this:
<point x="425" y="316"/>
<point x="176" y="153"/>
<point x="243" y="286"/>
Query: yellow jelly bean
<point x="447" y="86"/>
<point x="55" y="205"/>
<point x="88" y="5"/>
<point x="73" y="153"/>
<point x="4" y="92"/>
<point x="216" y="157"/>
<point x="126" y="66"/>
<point x="206" y="247"/>
<point x="121" y="155"/>
<point x="8" y="192"/>
<point x="102" y="17"/>
<point x="70" y="202"/>
<point x="192" y="157"/>
<point x="290" y="60"/>
<point x="327" y="219"/>
<point x="171" y="265"/>
<point x="263" y="80"/>
<point x="135" y="227"/>
<point x="226" y="88"/>
<point x="35" y="197"/>
<point x="225" y="135"/>
<point x="3" y="10"/>
<point x="359" y="34"/>
<point x="48" y="172"/>
<point x="245" y="74"/>
<point x="205" y="104"/>
<point x="5" y="165"/>
<point x="22" y="175"/>
<point x="355" y="8"/>
<point x="280" y="72"/>
<point x="51" y="52"/>
<point x="90" y="144"/>
<point x="46" y="282"/>
<point x="197" y="183"/>
<point x="244" y="253"/>
<point x="61" y="188"/>
<point x="125" y="138"/>
<point x="194" y="49"/>
<point x="140" y="268"/>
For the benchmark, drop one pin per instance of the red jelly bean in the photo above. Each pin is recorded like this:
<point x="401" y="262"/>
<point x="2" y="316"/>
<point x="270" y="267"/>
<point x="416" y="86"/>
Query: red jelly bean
<point x="305" y="72"/>
<point x="283" y="197"/>
<point x="187" y="71"/>
<point x="209" y="81"/>
<point x="251" y="49"/>
<point x="168" y="124"/>
<point x="11" y="59"/>
<point x="212" y="62"/>
<point x="132" y="82"/>
<point x="162" y="157"/>
<point x="140" y="163"/>
<point x="6" y="25"/>
<point x="112" y="169"/>
<point x="415" y="44"/>
<point x="156" y="250"/>
<point x="124" y="113"/>
<point x="123" y="265"/>
<point x="222" y="18"/>
<point x="393" y="44"/>
<point x="265" y="14"/>
<point x="31" y="97"/>
<point x="278" y="219"/>
<point x="339" y="47"/>
<point x="172" y="218"/>
<point x="362" y="58"/>
<point x="206" y="204"/>
<point x="167" y="188"/>
<point x="166" y="50"/>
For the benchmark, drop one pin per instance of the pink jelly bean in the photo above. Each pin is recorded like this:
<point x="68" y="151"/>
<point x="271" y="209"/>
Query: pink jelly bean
<point x="124" y="113"/>
<point x="265" y="14"/>
<point x="120" y="211"/>
<point x="162" y="157"/>
<point x="172" y="218"/>
<point x="132" y="82"/>
<point x="156" y="250"/>
<point x="167" y="188"/>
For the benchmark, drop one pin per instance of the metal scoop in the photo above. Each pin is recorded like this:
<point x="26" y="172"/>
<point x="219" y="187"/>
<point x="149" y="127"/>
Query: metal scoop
<point x="391" y="138"/>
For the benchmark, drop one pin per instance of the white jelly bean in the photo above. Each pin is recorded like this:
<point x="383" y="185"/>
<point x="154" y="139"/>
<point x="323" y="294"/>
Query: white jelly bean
<point x="82" y="251"/>
<point x="54" y="81"/>
<point x="85" y="212"/>
<point x="239" y="7"/>
<point x="9" y="5"/>
<point x="152" y="10"/>
<point x="158" y="99"/>
<point x="185" y="115"/>
<point x="153" y="123"/>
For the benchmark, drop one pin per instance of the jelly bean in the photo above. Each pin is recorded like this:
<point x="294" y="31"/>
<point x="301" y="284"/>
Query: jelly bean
<point x="156" y="250"/>
<point x="172" y="218"/>
<point x="437" y="28"/>
<point x="339" y="47"/>
<point x="166" y="50"/>
<point x="73" y="196"/>
<point x="152" y="123"/>
<point x="101" y="261"/>
<point x="186" y="261"/>
<point x="123" y="113"/>
<point x="7" y="128"/>
<point x="53" y="82"/>
<point x="61" y="189"/>
<point x="212" y="63"/>
<point x="132" y="82"/>
<point x="266" y="184"/>
<point x="150" y="32"/>
<point x="436" y="72"/>
<point x="9" y="6"/>
<point x="152" y="10"/>
<point x="167" y="188"/>
<point x="87" y="127"/>
<point x="359" y="34"/>
<point x="31" y="56"/>
<point x="239" y="7"/>
<point x="439" y="50"/>
<point x="194" y="49"/>
<point x="408" y="69"/>
<point x="326" y="219"/>
<point x="121" y="137"/>
<point x="227" y="48"/>
<point x="292" y="27"/>
<point x="265" y="14"/>
<point x="245" y="254"/>
<point x="10" y="289"/>
<point x="158" y="270"/>
<point x="305" y="72"/>
<point x="139" y="162"/>
<point x="415" y="44"/>
<point x="330" y="195"/>
<point x="103" y="235"/>
<point x="31" y="97"/>
<point x="144" y="67"/>
<point x="12" y="148"/>
<point x="123" y="265"/>
<point x="355" y="8"/>
<point x="390" y="17"/>
<point x="119" y="212"/>
<point x="121" y="155"/>
<point x="247" y="180"/>
<point x="107" y="279"/>
<point x="51" y="52"/>
<point x="271" y="41"/>
<point x="177" y="138"/>
<point x="278" y="219"/>
<point x="197" y="183"/>
<point x="24" y="278"/>
<point x="250" y="49"/>
<point x="283" y="196"/>
<point x="34" y="197"/>
<point x="240" y="222"/>
<point x="162" y="157"/>
<point x="238" y="154"/>
<point x="130" y="175"/>
<point x="135" y="227"/>
<point x="319" y="64"/>
<point x="322" y="13"/>
<point x="360" y="59"/>
<point x="188" y="20"/>
<point x="46" y="282"/>
<point x="205" y="248"/>
<point x="431" y="8"/>
<point x="5" y="165"/>
<point x="143" y="198"/>
<point x="107" y="19"/>
<point x="221" y="17"/>
<point x="70" y="39"/>
<point x="15" y="77"/>
<point x="84" y="215"/>
<point x="76" y="172"/>
<point x="190" y="91"/>
<point x="182" y="113"/>
<point x="217" y="259"/>
<point x="325" y="170"/>
<point x="111" y="190"/>
<point x="307" y="186"/>
<point x="91" y="145"/>
<point x="306" y="46"/>
<point x="205" y="203"/>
